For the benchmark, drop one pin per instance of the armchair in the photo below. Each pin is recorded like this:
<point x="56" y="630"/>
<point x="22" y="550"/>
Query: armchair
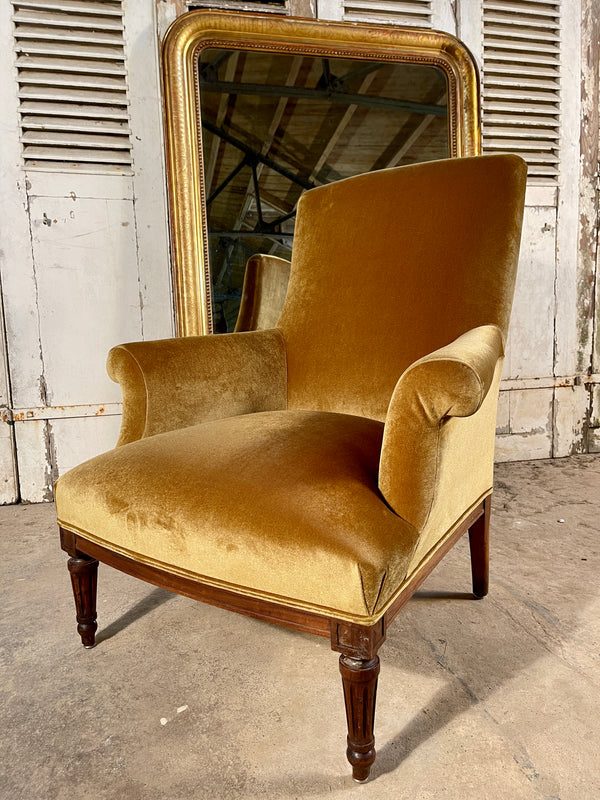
<point x="315" y="473"/>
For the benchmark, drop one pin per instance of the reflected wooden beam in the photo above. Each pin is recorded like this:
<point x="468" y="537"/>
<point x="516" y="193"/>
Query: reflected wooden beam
<point x="324" y="95"/>
<point x="275" y="203"/>
<point x="250" y="235"/>
<point x="273" y="128"/>
<point x="341" y="127"/>
<point x="414" y="136"/>
<point x="254" y="154"/>
<point x="211" y="157"/>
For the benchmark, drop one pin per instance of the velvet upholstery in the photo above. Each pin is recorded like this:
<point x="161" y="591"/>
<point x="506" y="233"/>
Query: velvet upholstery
<point x="390" y="266"/>
<point x="263" y="294"/>
<point x="319" y="464"/>
<point x="451" y="382"/>
<point x="172" y="383"/>
<point x="265" y="502"/>
<point x="464" y="471"/>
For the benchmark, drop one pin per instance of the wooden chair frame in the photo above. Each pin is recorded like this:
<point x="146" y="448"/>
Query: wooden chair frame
<point x="357" y="644"/>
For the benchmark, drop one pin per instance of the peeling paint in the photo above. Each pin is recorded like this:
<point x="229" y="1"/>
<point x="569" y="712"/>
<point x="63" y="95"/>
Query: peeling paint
<point x="571" y="421"/>
<point x="59" y="412"/>
<point x="139" y="273"/>
<point x="43" y="385"/>
<point x="589" y="195"/>
<point x="51" y="471"/>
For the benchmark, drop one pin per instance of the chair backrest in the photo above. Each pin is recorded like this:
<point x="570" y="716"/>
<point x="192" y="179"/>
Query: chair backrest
<point x="263" y="294"/>
<point x="389" y="266"/>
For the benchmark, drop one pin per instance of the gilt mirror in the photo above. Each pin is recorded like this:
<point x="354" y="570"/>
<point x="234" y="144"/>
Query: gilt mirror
<point x="259" y="109"/>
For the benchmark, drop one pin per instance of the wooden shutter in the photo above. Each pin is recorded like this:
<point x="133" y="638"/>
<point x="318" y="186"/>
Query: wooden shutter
<point x="72" y="84"/>
<point x="400" y="12"/>
<point x="521" y="82"/>
<point x="275" y="6"/>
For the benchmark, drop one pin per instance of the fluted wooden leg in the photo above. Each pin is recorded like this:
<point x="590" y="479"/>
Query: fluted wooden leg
<point x="479" y="541"/>
<point x="84" y="578"/>
<point x="359" y="677"/>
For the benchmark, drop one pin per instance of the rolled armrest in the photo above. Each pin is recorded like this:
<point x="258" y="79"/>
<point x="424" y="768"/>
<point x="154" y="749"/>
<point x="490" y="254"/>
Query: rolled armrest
<point x="448" y="383"/>
<point x="173" y="383"/>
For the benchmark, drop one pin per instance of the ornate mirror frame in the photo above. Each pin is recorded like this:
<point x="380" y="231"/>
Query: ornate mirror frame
<point x="195" y="31"/>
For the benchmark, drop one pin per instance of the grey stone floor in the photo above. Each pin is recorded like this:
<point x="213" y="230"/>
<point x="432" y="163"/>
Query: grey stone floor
<point x="492" y="700"/>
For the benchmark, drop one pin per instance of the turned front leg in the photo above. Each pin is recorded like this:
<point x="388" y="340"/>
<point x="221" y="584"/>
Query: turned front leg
<point x="359" y="677"/>
<point x="84" y="578"/>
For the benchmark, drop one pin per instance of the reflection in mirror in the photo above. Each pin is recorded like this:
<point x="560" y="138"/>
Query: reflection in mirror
<point x="274" y="125"/>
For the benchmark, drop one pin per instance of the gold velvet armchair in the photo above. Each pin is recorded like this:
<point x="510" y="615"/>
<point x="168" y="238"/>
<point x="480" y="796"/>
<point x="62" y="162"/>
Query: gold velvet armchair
<point x="313" y="474"/>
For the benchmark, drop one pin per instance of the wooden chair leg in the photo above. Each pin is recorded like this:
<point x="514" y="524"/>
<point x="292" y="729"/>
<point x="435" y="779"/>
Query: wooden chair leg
<point x="84" y="578"/>
<point x="359" y="677"/>
<point x="479" y="542"/>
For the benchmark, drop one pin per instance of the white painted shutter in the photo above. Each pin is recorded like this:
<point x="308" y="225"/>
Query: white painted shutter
<point x="521" y="83"/>
<point x="399" y="12"/>
<point x="241" y="5"/>
<point x="72" y="84"/>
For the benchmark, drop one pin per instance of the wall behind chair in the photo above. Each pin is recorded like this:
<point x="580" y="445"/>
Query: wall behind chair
<point x="84" y="258"/>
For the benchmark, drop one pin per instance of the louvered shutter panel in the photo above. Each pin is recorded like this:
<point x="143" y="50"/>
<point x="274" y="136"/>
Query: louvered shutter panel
<point x="72" y="84"/>
<point x="400" y="12"/>
<point x="521" y="82"/>
<point x="241" y="5"/>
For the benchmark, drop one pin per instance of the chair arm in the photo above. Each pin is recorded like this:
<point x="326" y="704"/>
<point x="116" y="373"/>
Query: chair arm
<point x="451" y="382"/>
<point x="173" y="383"/>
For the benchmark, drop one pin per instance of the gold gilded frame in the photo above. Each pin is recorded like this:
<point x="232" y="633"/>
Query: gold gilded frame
<point x="197" y="30"/>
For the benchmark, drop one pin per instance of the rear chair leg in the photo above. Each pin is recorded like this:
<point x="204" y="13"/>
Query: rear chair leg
<point x="479" y="541"/>
<point x="359" y="677"/>
<point x="84" y="577"/>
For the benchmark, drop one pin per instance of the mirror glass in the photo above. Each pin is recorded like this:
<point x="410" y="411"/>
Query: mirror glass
<point x="274" y="125"/>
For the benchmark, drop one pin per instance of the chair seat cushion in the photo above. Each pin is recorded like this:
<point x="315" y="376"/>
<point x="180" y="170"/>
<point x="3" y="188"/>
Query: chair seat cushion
<point x="282" y="505"/>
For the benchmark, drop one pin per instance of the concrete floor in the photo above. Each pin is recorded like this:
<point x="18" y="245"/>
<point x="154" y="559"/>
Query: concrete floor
<point x="491" y="700"/>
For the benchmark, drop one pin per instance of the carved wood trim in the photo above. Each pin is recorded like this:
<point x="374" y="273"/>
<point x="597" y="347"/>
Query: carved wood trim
<point x="84" y="580"/>
<point x="67" y="542"/>
<point x="357" y="641"/>
<point x="359" y="679"/>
